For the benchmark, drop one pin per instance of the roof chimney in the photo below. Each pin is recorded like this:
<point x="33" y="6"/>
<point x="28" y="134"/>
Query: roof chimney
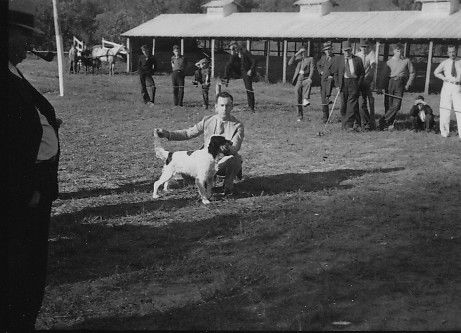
<point x="439" y="6"/>
<point x="221" y="8"/>
<point x="314" y="7"/>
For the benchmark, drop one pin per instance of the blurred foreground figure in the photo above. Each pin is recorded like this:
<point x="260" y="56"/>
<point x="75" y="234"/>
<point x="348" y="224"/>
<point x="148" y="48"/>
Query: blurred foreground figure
<point x="30" y="154"/>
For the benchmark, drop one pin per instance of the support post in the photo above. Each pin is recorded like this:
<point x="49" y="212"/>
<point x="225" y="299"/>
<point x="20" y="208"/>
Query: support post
<point x="212" y="58"/>
<point x="406" y="51"/>
<point x="308" y="48"/>
<point x="128" y="55"/>
<point x="249" y="45"/>
<point x="284" y="71"/>
<point x="182" y="46"/>
<point x="153" y="46"/>
<point x="429" y="68"/>
<point x="375" y="78"/>
<point x="268" y="46"/>
<point x="59" y="49"/>
<point x="386" y="52"/>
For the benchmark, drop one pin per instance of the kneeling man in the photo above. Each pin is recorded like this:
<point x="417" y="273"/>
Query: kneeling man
<point x="221" y="123"/>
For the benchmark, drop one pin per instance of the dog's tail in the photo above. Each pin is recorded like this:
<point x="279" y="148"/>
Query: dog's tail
<point x="160" y="152"/>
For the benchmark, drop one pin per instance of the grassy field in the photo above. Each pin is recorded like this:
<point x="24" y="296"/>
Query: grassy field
<point x="346" y="231"/>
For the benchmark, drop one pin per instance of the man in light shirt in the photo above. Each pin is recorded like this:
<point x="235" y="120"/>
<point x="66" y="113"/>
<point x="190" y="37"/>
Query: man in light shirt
<point x="368" y="57"/>
<point x="401" y="73"/>
<point x="30" y="156"/>
<point x="221" y="123"/>
<point x="449" y="71"/>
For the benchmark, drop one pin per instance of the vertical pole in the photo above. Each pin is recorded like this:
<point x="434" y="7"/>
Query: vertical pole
<point x="248" y="45"/>
<point x="284" y="71"/>
<point x="182" y="46"/>
<point x="60" y="49"/>
<point x="309" y="48"/>
<point x="386" y="52"/>
<point x="375" y="78"/>
<point x="406" y="51"/>
<point x="128" y="55"/>
<point x="212" y="58"/>
<point x="153" y="46"/>
<point x="268" y="45"/>
<point x="428" y="69"/>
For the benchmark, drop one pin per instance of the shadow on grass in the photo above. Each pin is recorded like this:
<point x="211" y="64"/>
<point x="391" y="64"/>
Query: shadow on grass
<point x="306" y="182"/>
<point x="315" y="299"/>
<point x="93" y="251"/>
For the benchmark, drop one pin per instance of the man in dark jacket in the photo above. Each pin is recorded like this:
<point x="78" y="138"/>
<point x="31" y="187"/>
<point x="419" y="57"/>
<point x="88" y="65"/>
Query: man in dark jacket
<point x="326" y="77"/>
<point x="242" y="64"/>
<point x="30" y="155"/>
<point x="146" y="67"/>
<point x="421" y="115"/>
<point x="178" y="67"/>
<point x="348" y="75"/>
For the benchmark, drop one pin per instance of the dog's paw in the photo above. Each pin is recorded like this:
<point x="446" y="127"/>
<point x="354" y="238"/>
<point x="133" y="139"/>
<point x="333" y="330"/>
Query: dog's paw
<point x="206" y="201"/>
<point x="155" y="196"/>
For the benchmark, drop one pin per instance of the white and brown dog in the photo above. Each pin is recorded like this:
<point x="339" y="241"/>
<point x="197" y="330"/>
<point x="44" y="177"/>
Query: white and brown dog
<point x="199" y="164"/>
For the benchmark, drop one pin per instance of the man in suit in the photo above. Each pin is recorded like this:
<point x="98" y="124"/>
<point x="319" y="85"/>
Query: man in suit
<point x="242" y="64"/>
<point x="302" y="79"/>
<point x="30" y="156"/>
<point x="146" y="67"/>
<point x="348" y="74"/>
<point x="326" y="78"/>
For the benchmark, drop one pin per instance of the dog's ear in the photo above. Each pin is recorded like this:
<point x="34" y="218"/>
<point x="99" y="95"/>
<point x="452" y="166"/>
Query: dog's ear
<point x="214" y="147"/>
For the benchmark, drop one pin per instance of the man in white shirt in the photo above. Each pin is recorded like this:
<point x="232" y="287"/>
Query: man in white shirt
<point x="449" y="71"/>
<point x="368" y="57"/>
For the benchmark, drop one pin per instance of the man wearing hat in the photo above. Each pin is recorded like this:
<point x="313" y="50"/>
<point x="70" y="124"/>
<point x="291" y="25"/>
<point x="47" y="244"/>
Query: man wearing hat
<point x="242" y="64"/>
<point x="368" y="57"/>
<point x="302" y="78"/>
<point x="203" y="76"/>
<point x="178" y="66"/>
<point x="401" y="73"/>
<point x="146" y="67"/>
<point x="326" y="77"/>
<point x="421" y="115"/>
<point x="348" y="75"/>
<point x="30" y="157"/>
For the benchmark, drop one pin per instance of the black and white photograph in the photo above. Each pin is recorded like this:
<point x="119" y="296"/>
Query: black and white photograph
<point x="231" y="165"/>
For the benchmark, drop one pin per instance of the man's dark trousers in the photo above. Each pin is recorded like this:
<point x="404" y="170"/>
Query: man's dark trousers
<point x="177" y="78"/>
<point x="27" y="263"/>
<point x="248" y="82"/>
<point x="396" y="87"/>
<point x="350" y="102"/>
<point x="326" y="86"/>
<point x="367" y="119"/>
<point x="147" y="81"/>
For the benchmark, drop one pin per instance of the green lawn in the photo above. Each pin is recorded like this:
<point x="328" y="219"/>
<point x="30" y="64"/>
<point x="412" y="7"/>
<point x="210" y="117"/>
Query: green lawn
<point x="361" y="229"/>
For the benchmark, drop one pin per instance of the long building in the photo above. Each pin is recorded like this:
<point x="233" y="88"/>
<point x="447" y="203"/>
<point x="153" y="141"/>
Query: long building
<point x="423" y="31"/>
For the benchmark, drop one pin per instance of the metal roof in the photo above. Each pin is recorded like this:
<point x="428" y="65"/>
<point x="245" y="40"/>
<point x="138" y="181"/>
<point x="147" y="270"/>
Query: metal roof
<point x="218" y="3"/>
<point x="309" y="2"/>
<point x="376" y="24"/>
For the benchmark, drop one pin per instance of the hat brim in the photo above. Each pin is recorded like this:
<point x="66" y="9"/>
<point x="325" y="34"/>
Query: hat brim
<point x="326" y="48"/>
<point x="347" y="48"/>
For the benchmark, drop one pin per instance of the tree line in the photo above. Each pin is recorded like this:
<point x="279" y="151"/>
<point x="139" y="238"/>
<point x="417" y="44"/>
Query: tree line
<point x="91" y="20"/>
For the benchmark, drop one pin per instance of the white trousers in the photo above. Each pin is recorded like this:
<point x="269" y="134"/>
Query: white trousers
<point x="450" y="100"/>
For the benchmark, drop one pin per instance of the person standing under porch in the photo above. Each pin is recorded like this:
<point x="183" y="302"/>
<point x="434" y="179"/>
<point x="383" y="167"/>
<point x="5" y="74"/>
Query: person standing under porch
<point x="401" y="74"/>
<point x="449" y="71"/>
<point x="302" y="79"/>
<point x="326" y="78"/>
<point x="178" y="66"/>
<point x="146" y="67"/>
<point x="367" y="113"/>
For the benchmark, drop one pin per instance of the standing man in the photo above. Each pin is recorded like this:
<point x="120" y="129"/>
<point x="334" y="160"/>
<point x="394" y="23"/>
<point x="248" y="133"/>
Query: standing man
<point x="146" y="67"/>
<point x="302" y="79"/>
<point x="242" y="64"/>
<point x="178" y="65"/>
<point x="326" y="78"/>
<point x="221" y="123"/>
<point x="73" y="59"/>
<point x="401" y="74"/>
<point x="30" y="156"/>
<point x="348" y="71"/>
<point x="449" y="71"/>
<point x="203" y="76"/>
<point x="368" y="57"/>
